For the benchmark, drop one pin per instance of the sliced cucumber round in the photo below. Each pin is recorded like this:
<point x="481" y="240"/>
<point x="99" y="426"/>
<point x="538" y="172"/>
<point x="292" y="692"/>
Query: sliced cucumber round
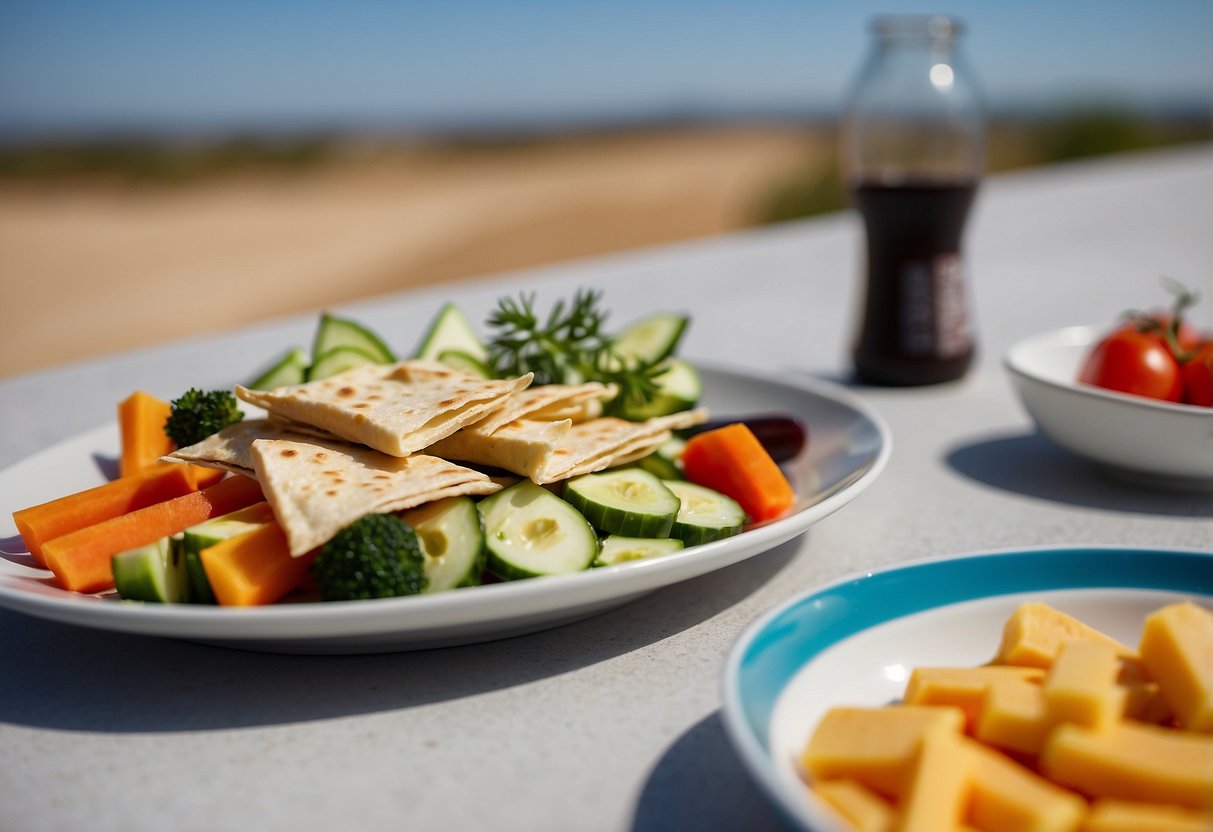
<point x="338" y="360"/>
<point x="155" y="572"/>
<point x="705" y="515"/>
<point x="290" y="369"/>
<point x="468" y="363"/>
<point x="452" y="541"/>
<point x="619" y="549"/>
<point x="652" y="338"/>
<point x="678" y="388"/>
<point x="529" y="532"/>
<point x="336" y="332"/>
<point x="450" y="330"/>
<point x="628" y="501"/>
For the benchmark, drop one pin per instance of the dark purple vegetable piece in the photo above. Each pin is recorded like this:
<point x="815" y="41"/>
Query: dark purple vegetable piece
<point x="783" y="436"/>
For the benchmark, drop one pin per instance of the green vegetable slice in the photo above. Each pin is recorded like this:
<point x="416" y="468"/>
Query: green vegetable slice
<point x="619" y="549"/>
<point x="155" y="572"/>
<point x="288" y="370"/>
<point x="451" y="330"/>
<point x="627" y="501"/>
<point x="336" y="332"/>
<point x="678" y="388"/>
<point x="338" y="360"/>
<point x="529" y="532"/>
<point x="705" y="515"/>
<point x="652" y="338"/>
<point x="468" y="363"/>
<point x="452" y="541"/>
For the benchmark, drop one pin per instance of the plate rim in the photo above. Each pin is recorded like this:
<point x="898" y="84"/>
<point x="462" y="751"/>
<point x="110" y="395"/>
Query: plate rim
<point x="361" y="619"/>
<point x="755" y="757"/>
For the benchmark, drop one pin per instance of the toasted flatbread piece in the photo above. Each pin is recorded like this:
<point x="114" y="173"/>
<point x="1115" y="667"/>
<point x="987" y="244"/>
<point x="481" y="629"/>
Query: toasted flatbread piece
<point x="394" y="408"/>
<point x="318" y="489"/>
<point x="550" y="451"/>
<point x="604" y="442"/>
<point x="229" y="449"/>
<point x="549" y="403"/>
<point x="522" y="447"/>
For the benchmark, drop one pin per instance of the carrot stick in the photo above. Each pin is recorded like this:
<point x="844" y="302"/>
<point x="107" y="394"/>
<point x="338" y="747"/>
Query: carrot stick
<point x="141" y="418"/>
<point x="40" y="523"/>
<point x="254" y="568"/>
<point x="80" y="559"/>
<point x="732" y="461"/>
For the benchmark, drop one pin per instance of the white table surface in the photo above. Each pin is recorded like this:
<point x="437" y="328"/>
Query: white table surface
<point x="614" y="722"/>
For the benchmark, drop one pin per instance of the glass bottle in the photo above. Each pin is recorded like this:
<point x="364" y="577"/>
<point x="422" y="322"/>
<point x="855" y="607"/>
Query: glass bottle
<point x="912" y="156"/>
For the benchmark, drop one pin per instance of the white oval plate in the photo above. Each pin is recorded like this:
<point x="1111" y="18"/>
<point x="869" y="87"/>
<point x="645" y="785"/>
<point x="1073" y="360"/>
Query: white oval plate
<point x="856" y="641"/>
<point x="1153" y="441"/>
<point x="848" y="448"/>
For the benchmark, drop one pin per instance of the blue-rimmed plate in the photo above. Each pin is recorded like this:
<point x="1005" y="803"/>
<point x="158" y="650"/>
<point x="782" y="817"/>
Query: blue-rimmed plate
<point x="856" y="641"/>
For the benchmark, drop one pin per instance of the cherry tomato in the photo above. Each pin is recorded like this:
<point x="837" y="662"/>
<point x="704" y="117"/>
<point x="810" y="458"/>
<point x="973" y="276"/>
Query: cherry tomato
<point x="1198" y="376"/>
<point x="1135" y="362"/>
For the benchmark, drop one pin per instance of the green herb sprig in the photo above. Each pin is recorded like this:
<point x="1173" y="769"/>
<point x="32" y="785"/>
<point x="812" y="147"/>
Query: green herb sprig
<point x="569" y="346"/>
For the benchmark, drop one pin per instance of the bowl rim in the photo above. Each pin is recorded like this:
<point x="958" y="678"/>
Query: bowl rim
<point x="1083" y="336"/>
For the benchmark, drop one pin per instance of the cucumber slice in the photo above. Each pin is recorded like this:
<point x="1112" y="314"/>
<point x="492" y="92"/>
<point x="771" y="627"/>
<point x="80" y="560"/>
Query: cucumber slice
<point x="678" y="388"/>
<point x="336" y="332"/>
<point x="155" y="572"/>
<point x="619" y="549"/>
<point x="468" y="363"/>
<point x="666" y="461"/>
<point x="530" y="532"/>
<point x="627" y="501"/>
<point x="196" y="538"/>
<point x="705" y="515"/>
<point x="451" y="330"/>
<point x="338" y="360"/>
<point x="652" y="338"/>
<point x="290" y="369"/>
<point x="452" y="541"/>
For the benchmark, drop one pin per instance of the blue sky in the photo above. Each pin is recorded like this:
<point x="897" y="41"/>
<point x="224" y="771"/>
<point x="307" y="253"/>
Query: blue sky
<point x="82" y="64"/>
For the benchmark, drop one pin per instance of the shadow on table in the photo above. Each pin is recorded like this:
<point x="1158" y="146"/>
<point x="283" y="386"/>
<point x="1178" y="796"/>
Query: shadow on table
<point x="1032" y="465"/>
<point x="73" y="678"/>
<point x="700" y="783"/>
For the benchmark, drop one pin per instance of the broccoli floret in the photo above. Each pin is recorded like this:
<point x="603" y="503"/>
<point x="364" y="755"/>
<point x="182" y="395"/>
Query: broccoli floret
<point x="197" y="415"/>
<point x="377" y="556"/>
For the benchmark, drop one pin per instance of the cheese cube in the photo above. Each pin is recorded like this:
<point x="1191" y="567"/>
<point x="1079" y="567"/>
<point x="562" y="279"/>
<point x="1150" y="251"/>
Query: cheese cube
<point x="1119" y="816"/>
<point x="1035" y="632"/>
<point x="1132" y="761"/>
<point x="962" y="687"/>
<point x="1014" y="716"/>
<point x="1007" y="797"/>
<point x="876" y="747"/>
<point x="1081" y="687"/>
<point x="938" y="791"/>
<point x="1177" y="650"/>
<point x="859" y="806"/>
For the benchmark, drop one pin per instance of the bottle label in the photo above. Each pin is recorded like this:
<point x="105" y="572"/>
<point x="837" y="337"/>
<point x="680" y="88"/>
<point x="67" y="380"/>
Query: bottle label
<point x="933" y="319"/>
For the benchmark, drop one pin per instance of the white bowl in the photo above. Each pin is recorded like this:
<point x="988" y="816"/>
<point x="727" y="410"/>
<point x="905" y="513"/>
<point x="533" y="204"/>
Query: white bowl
<point x="1146" y="439"/>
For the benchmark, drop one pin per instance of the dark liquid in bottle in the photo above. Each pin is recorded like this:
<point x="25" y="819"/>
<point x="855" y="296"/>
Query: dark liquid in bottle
<point x="915" y="327"/>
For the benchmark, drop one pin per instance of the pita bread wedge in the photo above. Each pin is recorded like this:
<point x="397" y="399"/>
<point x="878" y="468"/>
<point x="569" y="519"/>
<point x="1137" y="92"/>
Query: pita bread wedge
<point x="229" y="449"/>
<point x="317" y="489"/>
<point x="600" y="443"/>
<point x="394" y="408"/>
<point x="546" y="453"/>
<point x="522" y="447"/>
<point x="548" y="403"/>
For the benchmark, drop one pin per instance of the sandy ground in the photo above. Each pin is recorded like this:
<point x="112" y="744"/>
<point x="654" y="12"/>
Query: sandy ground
<point x="84" y="272"/>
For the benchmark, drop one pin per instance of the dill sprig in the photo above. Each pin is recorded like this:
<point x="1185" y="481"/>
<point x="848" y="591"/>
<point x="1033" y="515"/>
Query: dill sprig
<point x="569" y="346"/>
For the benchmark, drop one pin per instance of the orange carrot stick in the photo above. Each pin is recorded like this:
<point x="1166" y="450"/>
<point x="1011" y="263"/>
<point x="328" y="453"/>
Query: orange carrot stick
<point x="141" y="418"/>
<point x="80" y="559"/>
<point x="254" y="568"/>
<point x="732" y="461"/>
<point x="40" y="523"/>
